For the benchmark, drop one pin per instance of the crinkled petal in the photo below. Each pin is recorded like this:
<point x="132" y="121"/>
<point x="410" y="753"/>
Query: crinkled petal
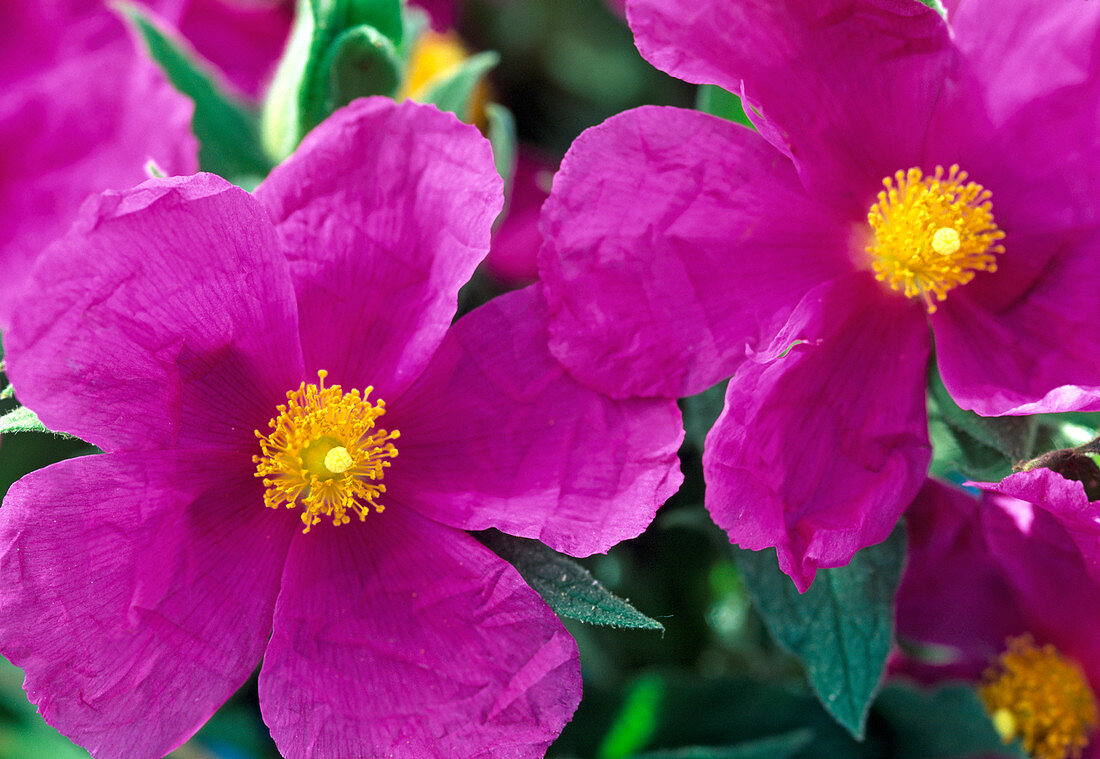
<point x="819" y="451"/>
<point x="953" y="594"/>
<point x="384" y="211"/>
<point x="1043" y="173"/>
<point x="80" y="113"/>
<point x="495" y="433"/>
<point x="1062" y="499"/>
<point x="166" y="317"/>
<point x="1037" y="354"/>
<point x="1022" y="50"/>
<point x="671" y="240"/>
<point x="402" y="638"/>
<point x="845" y="87"/>
<point x="137" y="592"/>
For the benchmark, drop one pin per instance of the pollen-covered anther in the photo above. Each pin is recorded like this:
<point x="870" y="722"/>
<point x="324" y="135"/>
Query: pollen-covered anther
<point x="1035" y="694"/>
<point x="324" y="455"/>
<point x="932" y="233"/>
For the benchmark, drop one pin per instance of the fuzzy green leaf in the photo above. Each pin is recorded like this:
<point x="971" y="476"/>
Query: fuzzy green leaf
<point x="567" y="587"/>
<point x="227" y="131"/>
<point x="841" y="628"/>
<point x="21" y="419"/>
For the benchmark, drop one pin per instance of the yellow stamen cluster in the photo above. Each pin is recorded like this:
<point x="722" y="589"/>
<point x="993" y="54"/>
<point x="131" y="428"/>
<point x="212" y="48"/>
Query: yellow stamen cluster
<point x="932" y="233"/>
<point x="321" y="456"/>
<point x="1042" y="698"/>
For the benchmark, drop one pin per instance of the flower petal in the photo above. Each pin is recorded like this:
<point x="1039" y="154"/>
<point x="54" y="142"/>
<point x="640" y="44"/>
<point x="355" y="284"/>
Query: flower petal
<point x="496" y="434"/>
<point x="844" y="87"/>
<point x="1054" y="580"/>
<point x="173" y="311"/>
<point x="1064" y="500"/>
<point x="953" y="594"/>
<point x="403" y="638"/>
<point x="1037" y="354"/>
<point x="137" y="591"/>
<point x="1004" y="42"/>
<point x="820" y="450"/>
<point x="668" y="244"/>
<point x="81" y="110"/>
<point x="384" y="211"/>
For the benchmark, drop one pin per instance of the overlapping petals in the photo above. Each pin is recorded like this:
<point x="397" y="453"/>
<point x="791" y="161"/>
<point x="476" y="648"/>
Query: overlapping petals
<point x="484" y="442"/>
<point x="770" y="484"/>
<point x="846" y="88"/>
<point x="183" y="313"/>
<point x="137" y="583"/>
<point x="347" y="213"/>
<point x="173" y="349"/>
<point x="667" y="247"/>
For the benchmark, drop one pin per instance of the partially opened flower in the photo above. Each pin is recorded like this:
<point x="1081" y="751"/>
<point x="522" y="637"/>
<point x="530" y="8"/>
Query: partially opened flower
<point x="905" y="174"/>
<point x="1008" y="593"/>
<point x="294" y="350"/>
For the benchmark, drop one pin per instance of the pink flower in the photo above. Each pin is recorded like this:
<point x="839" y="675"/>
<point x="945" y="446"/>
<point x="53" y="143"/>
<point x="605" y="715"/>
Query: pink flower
<point x="182" y="319"/>
<point x="680" y="249"/>
<point x="1007" y="590"/>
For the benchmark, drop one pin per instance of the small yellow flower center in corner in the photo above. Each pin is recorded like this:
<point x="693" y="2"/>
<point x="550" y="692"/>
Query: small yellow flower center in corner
<point x="321" y="454"/>
<point x="932" y="233"/>
<point x="1039" y="696"/>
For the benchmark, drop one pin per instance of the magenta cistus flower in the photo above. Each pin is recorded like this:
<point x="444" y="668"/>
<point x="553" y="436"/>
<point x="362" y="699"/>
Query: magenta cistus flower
<point x="1006" y="591"/>
<point x="907" y="172"/>
<point x="294" y="349"/>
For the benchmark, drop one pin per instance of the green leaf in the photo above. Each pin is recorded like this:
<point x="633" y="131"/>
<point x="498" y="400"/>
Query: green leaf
<point x="7" y="392"/>
<point x="384" y="15"/>
<point x="775" y="747"/>
<point x="226" y="129"/>
<point x="942" y="723"/>
<point x="568" y="588"/>
<point x="452" y="90"/>
<point x="362" y="62"/>
<point x="21" y="419"/>
<point x="841" y="628"/>
<point x="1011" y="436"/>
<point x="502" y="136"/>
<point x="712" y="99"/>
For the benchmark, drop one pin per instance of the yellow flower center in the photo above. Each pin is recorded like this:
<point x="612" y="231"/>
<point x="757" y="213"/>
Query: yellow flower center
<point x="1040" y="697"/>
<point x="932" y="233"/>
<point x="322" y="456"/>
